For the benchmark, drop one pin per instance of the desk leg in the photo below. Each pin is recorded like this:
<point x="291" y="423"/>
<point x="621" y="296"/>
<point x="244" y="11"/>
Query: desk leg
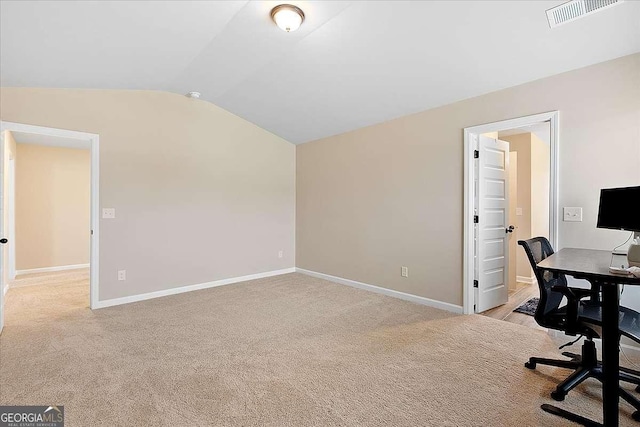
<point x="610" y="353"/>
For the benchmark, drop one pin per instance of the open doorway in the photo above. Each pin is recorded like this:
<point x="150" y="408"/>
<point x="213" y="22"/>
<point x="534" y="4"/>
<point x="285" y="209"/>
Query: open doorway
<point x="49" y="218"/>
<point x="528" y="205"/>
<point x="510" y="194"/>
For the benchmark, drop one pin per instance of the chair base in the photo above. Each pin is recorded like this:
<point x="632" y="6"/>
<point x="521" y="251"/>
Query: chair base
<point x="586" y="366"/>
<point x="578" y="419"/>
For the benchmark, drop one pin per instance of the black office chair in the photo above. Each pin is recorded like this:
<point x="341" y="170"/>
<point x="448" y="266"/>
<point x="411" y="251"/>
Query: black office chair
<point x="580" y="316"/>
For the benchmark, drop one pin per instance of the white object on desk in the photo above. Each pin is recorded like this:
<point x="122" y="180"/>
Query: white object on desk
<point x="631" y="271"/>
<point x="633" y="255"/>
<point x="619" y="270"/>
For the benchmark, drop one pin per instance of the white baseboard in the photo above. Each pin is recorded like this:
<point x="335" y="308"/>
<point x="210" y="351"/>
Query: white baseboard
<point x="384" y="291"/>
<point x="50" y="269"/>
<point x="523" y="279"/>
<point x="189" y="288"/>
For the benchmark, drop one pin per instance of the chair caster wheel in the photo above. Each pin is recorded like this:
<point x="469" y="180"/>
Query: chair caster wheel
<point x="636" y="415"/>
<point x="559" y="396"/>
<point x="532" y="365"/>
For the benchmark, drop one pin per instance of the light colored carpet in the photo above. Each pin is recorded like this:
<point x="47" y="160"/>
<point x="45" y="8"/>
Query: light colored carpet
<point x="79" y="276"/>
<point x="284" y="351"/>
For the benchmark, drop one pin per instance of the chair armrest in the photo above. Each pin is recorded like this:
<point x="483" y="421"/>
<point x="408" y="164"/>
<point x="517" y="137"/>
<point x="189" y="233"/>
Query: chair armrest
<point x="573" y="301"/>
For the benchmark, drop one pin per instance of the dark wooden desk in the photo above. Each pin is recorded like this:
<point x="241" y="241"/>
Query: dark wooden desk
<point x="593" y="265"/>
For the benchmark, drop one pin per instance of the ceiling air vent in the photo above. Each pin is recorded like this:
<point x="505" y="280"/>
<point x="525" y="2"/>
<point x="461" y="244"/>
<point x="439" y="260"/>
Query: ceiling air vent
<point x="575" y="9"/>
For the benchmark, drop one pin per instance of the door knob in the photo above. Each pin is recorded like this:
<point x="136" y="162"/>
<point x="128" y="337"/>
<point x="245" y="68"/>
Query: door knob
<point x="510" y="229"/>
<point x="4" y="240"/>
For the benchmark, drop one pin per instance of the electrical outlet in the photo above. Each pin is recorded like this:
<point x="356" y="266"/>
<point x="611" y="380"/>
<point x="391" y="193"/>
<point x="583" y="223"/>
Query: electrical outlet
<point x="122" y="274"/>
<point x="108" y="213"/>
<point x="404" y="272"/>
<point x="280" y="253"/>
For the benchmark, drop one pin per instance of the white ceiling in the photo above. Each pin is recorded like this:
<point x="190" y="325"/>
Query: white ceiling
<point x="351" y="64"/>
<point x="49" y="140"/>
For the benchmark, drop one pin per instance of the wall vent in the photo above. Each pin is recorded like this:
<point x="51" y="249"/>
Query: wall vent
<point x="576" y="9"/>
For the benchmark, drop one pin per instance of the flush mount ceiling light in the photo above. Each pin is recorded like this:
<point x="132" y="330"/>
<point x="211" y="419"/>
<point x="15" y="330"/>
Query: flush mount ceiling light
<point x="287" y="17"/>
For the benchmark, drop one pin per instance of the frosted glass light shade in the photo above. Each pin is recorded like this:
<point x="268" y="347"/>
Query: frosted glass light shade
<point x="287" y="17"/>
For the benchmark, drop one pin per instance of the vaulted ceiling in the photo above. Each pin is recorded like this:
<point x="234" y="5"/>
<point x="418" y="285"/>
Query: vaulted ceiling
<point x="351" y="64"/>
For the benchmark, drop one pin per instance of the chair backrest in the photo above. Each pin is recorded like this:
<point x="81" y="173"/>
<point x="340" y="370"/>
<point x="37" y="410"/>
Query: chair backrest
<point x="537" y="249"/>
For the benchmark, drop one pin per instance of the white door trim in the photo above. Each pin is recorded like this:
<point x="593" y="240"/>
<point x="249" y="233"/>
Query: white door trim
<point x="93" y="140"/>
<point x="468" y="247"/>
<point x="11" y="216"/>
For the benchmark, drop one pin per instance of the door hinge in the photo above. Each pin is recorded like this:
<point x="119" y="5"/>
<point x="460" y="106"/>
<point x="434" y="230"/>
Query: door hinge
<point x="475" y="283"/>
<point x="476" y="219"/>
<point x="476" y="154"/>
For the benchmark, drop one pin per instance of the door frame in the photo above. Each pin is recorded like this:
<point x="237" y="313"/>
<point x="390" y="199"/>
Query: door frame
<point x="10" y="229"/>
<point x="470" y="144"/>
<point x="93" y="141"/>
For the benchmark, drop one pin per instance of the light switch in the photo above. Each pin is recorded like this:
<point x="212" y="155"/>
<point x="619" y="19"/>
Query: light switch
<point x="572" y="214"/>
<point x="108" y="213"/>
<point x="519" y="211"/>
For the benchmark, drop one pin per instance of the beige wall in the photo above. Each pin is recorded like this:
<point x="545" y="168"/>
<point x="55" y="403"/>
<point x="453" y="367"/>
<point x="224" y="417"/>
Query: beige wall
<point x="533" y="178"/>
<point x="200" y="194"/>
<point x="513" y="219"/>
<point x="520" y="144"/>
<point x="372" y="200"/>
<point x="540" y="176"/>
<point x="52" y="201"/>
<point x="10" y="153"/>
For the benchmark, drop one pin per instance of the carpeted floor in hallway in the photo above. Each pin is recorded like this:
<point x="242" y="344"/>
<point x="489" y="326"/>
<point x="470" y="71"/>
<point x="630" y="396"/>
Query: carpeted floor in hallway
<point x="289" y="350"/>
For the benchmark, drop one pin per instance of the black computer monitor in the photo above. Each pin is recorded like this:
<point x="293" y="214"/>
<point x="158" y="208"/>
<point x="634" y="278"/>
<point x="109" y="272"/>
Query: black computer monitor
<point x="618" y="208"/>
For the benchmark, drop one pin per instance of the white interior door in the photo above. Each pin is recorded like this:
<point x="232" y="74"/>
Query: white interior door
<point x="492" y="257"/>
<point x="3" y="246"/>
